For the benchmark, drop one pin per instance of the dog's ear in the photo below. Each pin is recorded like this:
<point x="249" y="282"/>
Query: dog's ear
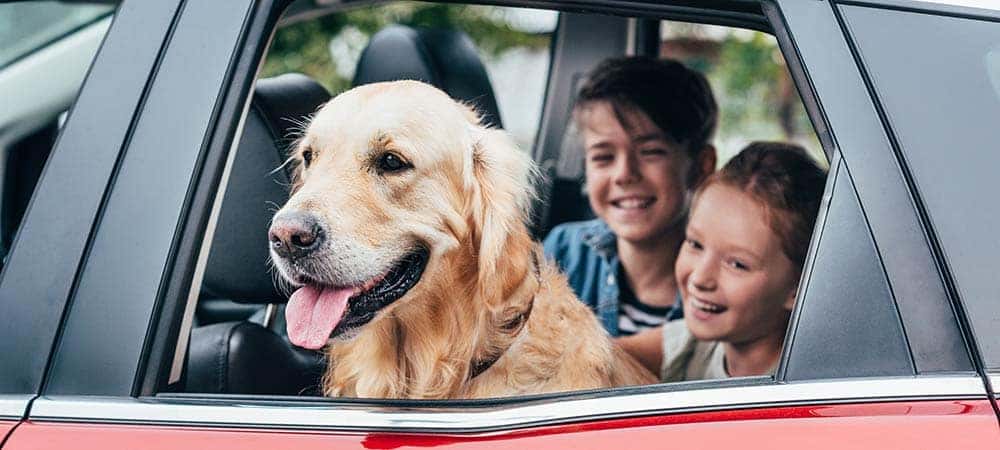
<point x="503" y="186"/>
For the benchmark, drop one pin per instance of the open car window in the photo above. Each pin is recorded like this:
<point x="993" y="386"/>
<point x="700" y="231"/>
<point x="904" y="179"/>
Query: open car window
<point x="316" y="58"/>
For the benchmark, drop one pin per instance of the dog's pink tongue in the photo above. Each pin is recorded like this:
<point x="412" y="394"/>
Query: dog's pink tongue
<point x="312" y="314"/>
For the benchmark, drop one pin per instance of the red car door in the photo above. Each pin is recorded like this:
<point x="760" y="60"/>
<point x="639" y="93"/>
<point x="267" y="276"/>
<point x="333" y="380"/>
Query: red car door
<point x="888" y="425"/>
<point x="5" y="428"/>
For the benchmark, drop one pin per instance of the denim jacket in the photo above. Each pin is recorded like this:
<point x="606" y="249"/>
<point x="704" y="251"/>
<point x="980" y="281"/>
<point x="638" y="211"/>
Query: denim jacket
<point x="587" y="253"/>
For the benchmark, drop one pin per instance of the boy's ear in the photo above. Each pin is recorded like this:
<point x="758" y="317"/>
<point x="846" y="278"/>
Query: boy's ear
<point x="706" y="161"/>
<point x="702" y="166"/>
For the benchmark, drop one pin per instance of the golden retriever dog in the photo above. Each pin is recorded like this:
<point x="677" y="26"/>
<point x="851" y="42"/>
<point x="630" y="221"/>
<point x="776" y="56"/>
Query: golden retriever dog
<point x="405" y="237"/>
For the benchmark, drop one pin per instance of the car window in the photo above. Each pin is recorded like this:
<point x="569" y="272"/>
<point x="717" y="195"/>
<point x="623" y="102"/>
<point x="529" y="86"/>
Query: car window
<point x="45" y="50"/>
<point x="28" y="26"/>
<point x="315" y="59"/>
<point x="941" y="94"/>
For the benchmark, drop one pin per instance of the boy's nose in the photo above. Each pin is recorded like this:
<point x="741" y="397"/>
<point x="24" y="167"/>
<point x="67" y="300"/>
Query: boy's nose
<point x="627" y="170"/>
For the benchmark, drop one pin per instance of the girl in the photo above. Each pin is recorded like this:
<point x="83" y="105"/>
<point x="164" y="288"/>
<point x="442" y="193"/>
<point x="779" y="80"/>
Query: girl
<point x="739" y="266"/>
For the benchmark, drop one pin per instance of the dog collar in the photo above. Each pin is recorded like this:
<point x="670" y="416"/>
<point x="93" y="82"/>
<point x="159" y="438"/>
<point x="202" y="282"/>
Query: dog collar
<point x="514" y="326"/>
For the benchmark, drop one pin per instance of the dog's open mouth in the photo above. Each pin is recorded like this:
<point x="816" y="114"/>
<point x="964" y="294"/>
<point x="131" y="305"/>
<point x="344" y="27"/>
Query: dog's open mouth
<point x="315" y="313"/>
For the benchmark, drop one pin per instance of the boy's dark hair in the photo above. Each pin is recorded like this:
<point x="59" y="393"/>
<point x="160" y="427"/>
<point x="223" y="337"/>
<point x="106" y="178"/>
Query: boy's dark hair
<point x="787" y="182"/>
<point x="677" y="99"/>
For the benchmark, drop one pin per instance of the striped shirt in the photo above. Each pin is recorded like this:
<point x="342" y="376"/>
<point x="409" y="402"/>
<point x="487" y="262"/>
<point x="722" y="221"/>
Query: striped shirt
<point x="634" y="315"/>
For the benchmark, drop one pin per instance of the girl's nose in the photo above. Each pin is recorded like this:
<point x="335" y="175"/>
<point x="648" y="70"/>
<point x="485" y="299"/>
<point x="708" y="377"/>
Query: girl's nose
<point x="703" y="274"/>
<point x="627" y="170"/>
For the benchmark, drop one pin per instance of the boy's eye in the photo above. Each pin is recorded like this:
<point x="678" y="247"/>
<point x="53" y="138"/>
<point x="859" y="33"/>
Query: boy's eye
<point x="694" y="244"/>
<point x="601" y="157"/>
<point x="653" y="152"/>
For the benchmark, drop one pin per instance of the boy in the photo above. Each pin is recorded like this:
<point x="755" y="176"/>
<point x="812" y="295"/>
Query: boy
<point x="645" y="126"/>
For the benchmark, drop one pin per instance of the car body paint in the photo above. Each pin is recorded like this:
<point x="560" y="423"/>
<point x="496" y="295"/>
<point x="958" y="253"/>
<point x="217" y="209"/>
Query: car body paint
<point x="931" y="424"/>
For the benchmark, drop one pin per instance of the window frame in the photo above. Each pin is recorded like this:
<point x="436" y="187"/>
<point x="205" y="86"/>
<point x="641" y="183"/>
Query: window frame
<point x="136" y="400"/>
<point x="494" y="416"/>
<point x="907" y="159"/>
<point x="69" y="195"/>
<point x="829" y="66"/>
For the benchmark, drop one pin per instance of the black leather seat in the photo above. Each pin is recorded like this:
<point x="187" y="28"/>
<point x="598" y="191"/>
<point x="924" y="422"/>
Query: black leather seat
<point x="243" y="356"/>
<point x="447" y="59"/>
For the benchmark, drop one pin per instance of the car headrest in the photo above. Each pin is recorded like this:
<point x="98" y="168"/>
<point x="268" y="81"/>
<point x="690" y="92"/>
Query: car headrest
<point x="257" y="186"/>
<point x="447" y="59"/>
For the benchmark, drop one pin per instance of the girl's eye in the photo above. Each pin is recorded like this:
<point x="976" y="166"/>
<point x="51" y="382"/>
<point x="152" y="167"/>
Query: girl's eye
<point x="307" y="157"/>
<point x="391" y="163"/>
<point x="653" y="152"/>
<point x="739" y="265"/>
<point x="694" y="244"/>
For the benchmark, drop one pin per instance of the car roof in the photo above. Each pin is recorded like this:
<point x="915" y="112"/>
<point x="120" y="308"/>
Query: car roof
<point x="981" y="4"/>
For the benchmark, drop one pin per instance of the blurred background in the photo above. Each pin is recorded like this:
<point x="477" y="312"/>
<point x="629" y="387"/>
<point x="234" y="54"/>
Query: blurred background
<point x="757" y="99"/>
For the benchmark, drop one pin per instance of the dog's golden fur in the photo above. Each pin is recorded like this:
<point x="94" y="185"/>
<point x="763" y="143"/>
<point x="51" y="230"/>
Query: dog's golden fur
<point x="466" y="199"/>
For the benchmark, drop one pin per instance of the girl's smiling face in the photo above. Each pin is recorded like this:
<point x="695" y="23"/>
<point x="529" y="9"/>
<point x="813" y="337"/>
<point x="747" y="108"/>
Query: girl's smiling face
<point x="737" y="283"/>
<point x="638" y="180"/>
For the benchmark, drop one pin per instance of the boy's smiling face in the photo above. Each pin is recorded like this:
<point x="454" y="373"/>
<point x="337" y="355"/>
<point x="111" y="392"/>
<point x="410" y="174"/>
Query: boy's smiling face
<point x="737" y="283"/>
<point x="638" y="180"/>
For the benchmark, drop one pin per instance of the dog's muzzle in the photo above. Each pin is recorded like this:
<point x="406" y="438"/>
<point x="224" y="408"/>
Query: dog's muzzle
<point x="295" y="234"/>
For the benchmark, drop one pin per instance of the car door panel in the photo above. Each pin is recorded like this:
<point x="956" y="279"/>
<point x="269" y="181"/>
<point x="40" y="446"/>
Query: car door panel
<point x="125" y="265"/>
<point x="901" y="410"/>
<point x="946" y="141"/>
<point x="930" y="424"/>
<point x="41" y="268"/>
<point x="929" y="321"/>
<point x="845" y="268"/>
<point x="5" y="429"/>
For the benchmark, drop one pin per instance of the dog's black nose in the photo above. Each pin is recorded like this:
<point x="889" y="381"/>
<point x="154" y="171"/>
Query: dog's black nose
<point x="295" y="234"/>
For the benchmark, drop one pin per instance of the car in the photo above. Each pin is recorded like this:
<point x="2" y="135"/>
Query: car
<point x="138" y="309"/>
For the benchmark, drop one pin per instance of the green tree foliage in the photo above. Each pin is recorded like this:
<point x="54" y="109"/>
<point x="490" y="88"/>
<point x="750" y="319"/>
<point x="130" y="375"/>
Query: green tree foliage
<point x="757" y="98"/>
<point x="304" y="47"/>
<point x="746" y="70"/>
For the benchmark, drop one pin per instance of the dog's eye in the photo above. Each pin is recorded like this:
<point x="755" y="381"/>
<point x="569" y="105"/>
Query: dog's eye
<point x="307" y="157"/>
<point x="390" y="163"/>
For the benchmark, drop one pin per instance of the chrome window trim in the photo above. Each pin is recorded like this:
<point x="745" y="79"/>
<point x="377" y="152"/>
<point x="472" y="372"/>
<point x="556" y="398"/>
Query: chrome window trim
<point x="13" y="406"/>
<point x="360" y="417"/>
<point x="982" y="4"/>
<point x="932" y="6"/>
